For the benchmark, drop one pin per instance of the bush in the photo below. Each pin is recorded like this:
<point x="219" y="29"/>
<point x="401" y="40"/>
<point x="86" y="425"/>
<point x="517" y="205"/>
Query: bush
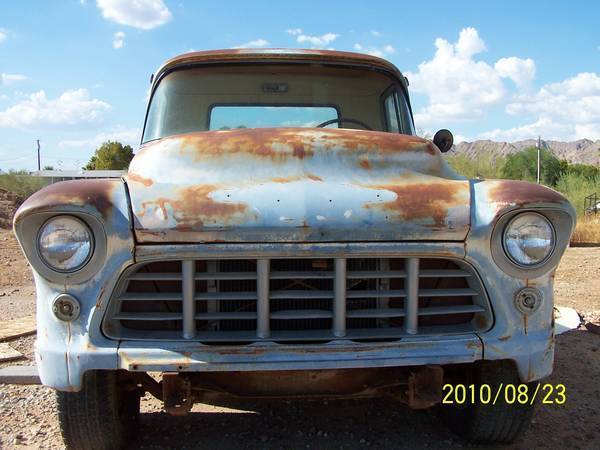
<point x="576" y="187"/>
<point x="482" y="166"/>
<point x="585" y="170"/>
<point x="21" y="183"/>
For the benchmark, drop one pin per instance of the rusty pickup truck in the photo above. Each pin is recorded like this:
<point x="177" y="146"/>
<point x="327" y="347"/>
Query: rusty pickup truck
<point x="283" y="232"/>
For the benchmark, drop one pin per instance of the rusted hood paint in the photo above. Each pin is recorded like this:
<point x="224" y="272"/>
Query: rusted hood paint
<point x="295" y="184"/>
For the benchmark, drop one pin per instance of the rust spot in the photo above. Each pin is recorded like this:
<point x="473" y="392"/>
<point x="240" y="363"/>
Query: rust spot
<point x="299" y="151"/>
<point x="194" y="207"/>
<point x="292" y="179"/>
<point x="301" y="383"/>
<point x="504" y="338"/>
<point x="80" y="194"/>
<point x="472" y="345"/>
<point x="481" y="321"/>
<point x="522" y="193"/>
<point x="530" y="372"/>
<point x="365" y="164"/>
<point x="422" y="200"/>
<point x="139" y="179"/>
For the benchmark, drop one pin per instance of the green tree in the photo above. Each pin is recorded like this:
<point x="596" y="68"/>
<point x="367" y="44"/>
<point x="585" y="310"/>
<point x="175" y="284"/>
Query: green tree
<point x="523" y="166"/>
<point x="48" y="168"/>
<point x="111" y="155"/>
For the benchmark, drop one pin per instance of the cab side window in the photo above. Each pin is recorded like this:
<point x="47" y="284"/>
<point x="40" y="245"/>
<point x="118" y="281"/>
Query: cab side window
<point x="391" y="114"/>
<point x="397" y="114"/>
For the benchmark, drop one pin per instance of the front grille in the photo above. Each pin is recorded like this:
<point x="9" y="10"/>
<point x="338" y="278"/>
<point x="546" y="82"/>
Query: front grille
<point x="296" y="300"/>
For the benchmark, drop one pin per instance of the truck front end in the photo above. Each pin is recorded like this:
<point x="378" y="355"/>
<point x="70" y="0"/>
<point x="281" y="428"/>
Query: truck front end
<point x="252" y="250"/>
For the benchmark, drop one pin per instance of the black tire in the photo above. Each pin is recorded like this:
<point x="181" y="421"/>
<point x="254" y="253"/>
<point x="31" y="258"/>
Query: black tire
<point x="103" y="415"/>
<point x="499" y="423"/>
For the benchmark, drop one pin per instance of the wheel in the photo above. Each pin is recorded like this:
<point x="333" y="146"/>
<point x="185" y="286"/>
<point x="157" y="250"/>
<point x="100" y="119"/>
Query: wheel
<point x="103" y="415"/>
<point x="498" y="423"/>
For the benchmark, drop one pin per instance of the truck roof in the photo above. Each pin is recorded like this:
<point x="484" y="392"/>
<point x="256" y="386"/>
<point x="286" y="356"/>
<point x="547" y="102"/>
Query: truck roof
<point x="280" y="55"/>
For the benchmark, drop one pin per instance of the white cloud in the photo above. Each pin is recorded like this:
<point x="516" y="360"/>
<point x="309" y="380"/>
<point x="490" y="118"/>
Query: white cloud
<point x="71" y="108"/>
<point x="3" y="35"/>
<point x="376" y="33"/>
<point x="144" y="14"/>
<point x="118" y="39"/>
<point x="294" y="31"/>
<point x="316" y="41"/>
<point x="125" y="136"/>
<point x="521" y="71"/>
<point x="540" y="127"/>
<point x="568" y="110"/>
<point x="469" y="43"/>
<point x="257" y="43"/>
<point x="10" y="78"/>
<point x="458" y="86"/>
<point x="381" y="52"/>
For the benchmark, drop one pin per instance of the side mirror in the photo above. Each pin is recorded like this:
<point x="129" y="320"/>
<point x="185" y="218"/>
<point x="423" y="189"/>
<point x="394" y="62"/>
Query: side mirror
<point x="443" y="139"/>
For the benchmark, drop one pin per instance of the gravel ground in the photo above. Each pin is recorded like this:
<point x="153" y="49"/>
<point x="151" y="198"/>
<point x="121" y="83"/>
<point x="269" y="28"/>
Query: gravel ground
<point x="28" y="413"/>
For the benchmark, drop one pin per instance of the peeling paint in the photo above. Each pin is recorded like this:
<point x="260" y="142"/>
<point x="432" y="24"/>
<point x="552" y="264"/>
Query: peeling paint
<point x="264" y="181"/>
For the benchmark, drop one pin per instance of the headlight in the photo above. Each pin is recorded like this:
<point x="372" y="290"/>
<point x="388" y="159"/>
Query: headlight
<point x="529" y="239"/>
<point x="65" y="243"/>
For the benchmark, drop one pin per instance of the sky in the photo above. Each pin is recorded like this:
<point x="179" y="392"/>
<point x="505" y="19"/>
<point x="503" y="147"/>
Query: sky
<point x="75" y="73"/>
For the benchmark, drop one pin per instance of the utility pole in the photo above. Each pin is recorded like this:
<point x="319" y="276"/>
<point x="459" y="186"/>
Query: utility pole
<point x="39" y="164"/>
<point x="539" y="148"/>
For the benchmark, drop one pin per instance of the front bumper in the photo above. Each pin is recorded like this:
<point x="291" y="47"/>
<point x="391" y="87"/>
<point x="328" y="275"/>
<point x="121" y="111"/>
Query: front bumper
<point x="270" y="356"/>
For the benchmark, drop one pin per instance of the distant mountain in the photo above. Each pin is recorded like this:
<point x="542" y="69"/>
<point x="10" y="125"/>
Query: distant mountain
<point x="583" y="151"/>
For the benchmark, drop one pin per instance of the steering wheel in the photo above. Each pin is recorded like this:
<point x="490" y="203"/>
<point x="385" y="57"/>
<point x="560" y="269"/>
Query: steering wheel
<point x="341" y="120"/>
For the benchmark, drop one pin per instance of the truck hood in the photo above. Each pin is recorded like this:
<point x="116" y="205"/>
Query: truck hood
<point x="295" y="185"/>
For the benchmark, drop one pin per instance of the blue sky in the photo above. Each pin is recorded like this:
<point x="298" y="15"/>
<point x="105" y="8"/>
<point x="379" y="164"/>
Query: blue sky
<point x="74" y="73"/>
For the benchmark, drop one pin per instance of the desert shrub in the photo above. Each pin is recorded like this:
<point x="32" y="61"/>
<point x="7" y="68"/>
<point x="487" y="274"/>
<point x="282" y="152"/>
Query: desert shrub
<point x="576" y="187"/>
<point x="585" y="170"/>
<point x="21" y="183"/>
<point x="482" y="166"/>
<point x="587" y="230"/>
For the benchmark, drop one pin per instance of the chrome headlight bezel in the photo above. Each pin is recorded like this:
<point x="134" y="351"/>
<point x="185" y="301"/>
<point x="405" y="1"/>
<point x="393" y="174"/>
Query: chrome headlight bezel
<point x="86" y="229"/>
<point x="28" y="233"/>
<point x="562" y="222"/>
<point x="513" y="258"/>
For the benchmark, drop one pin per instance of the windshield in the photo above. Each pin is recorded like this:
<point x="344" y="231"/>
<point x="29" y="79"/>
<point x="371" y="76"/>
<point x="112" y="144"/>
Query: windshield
<point x="287" y="95"/>
<point x="247" y="116"/>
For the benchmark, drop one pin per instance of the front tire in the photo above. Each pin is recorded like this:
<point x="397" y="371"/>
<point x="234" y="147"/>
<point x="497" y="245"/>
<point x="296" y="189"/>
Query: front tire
<point x="103" y="415"/>
<point x="499" y="423"/>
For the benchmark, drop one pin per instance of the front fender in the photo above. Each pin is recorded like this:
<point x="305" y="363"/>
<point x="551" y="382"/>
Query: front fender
<point x="63" y="348"/>
<point x="528" y="339"/>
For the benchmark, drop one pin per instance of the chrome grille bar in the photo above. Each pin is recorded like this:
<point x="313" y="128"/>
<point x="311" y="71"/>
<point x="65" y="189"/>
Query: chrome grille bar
<point x="411" y="320"/>
<point x="189" y="303"/>
<point x="339" y="298"/>
<point x="263" y="327"/>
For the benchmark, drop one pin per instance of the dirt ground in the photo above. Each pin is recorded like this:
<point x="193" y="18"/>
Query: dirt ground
<point x="28" y="413"/>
